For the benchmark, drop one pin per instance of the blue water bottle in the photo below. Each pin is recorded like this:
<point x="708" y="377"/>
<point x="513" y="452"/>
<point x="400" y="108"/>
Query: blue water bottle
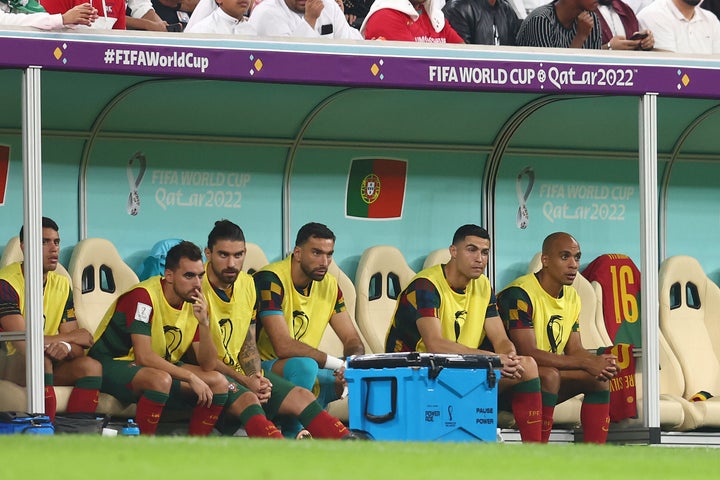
<point x="131" y="428"/>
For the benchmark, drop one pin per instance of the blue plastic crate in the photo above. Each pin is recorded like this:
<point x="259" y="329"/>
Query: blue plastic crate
<point x="424" y="397"/>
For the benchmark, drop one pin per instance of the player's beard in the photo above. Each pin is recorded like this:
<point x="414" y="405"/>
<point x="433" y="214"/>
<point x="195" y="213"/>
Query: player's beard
<point x="228" y="276"/>
<point x="225" y="277"/>
<point x="312" y="274"/>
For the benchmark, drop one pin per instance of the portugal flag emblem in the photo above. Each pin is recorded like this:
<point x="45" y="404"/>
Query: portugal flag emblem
<point x="370" y="188"/>
<point x="375" y="188"/>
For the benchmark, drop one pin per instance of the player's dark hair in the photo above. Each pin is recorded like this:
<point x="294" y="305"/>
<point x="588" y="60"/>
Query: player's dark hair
<point x="469" y="230"/>
<point x="225" y="230"/>
<point x="312" y="229"/>
<point x="46" y="223"/>
<point x="183" y="249"/>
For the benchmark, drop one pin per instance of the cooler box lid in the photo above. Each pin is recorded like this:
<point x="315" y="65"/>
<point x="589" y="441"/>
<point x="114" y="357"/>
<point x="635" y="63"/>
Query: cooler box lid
<point x="417" y="359"/>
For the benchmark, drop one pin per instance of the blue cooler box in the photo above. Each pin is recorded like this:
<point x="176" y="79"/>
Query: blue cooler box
<point x="21" y="422"/>
<point x="424" y="396"/>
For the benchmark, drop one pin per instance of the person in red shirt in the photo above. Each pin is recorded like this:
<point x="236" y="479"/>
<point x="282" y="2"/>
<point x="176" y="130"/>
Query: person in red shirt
<point x="408" y="20"/>
<point x="111" y="13"/>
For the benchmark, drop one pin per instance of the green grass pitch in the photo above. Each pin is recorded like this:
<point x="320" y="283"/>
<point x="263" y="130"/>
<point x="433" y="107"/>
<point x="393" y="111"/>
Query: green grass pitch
<point x="214" y="458"/>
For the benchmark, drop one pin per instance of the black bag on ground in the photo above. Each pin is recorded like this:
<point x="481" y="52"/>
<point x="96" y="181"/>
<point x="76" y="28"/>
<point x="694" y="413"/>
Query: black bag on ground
<point x="80" y="422"/>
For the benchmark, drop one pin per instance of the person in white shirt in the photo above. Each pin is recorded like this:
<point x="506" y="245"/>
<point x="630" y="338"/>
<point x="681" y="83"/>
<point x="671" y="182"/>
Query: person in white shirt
<point x="83" y="14"/>
<point x="141" y="15"/>
<point x="221" y="16"/>
<point x="638" y="5"/>
<point x="682" y="26"/>
<point x="302" y="18"/>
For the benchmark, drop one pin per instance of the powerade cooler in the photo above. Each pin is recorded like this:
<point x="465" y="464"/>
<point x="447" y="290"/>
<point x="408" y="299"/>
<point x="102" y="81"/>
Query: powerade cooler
<point x="424" y="396"/>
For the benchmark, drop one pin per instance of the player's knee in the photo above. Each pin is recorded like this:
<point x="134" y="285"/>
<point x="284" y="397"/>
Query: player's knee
<point x="301" y="371"/>
<point x="529" y="367"/>
<point x="249" y="398"/>
<point x="549" y="379"/>
<point x="87" y="367"/>
<point x="242" y="402"/>
<point x="296" y="401"/>
<point x="153" y="379"/>
<point x="301" y="396"/>
<point x="217" y="382"/>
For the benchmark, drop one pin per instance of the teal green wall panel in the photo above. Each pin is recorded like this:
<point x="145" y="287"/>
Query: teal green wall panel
<point x="584" y="123"/>
<point x="231" y="109"/>
<point x="10" y="99"/>
<point x="186" y="188"/>
<point x="422" y="117"/>
<point x="597" y="205"/>
<point x="11" y="212"/>
<point x="72" y="101"/>
<point x="59" y="190"/>
<point x="704" y="138"/>
<point x="442" y="193"/>
<point x="693" y="215"/>
<point x="676" y="114"/>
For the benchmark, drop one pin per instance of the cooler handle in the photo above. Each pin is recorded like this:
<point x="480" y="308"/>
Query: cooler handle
<point x="491" y="377"/>
<point x="434" y="370"/>
<point x="393" y="398"/>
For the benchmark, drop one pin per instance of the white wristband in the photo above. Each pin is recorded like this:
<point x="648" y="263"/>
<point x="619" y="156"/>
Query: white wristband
<point x="69" y="347"/>
<point x="333" y="363"/>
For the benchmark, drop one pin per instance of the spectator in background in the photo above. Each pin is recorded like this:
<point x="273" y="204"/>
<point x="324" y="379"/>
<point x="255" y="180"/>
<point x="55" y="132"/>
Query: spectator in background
<point x="620" y="28"/>
<point x="409" y="21"/>
<point x="303" y="19"/>
<point x="638" y="5"/>
<point x="483" y="22"/>
<point x="531" y="5"/>
<point x="176" y="13"/>
<point x="226" y="17"/>
<point x="351" y="18"/>
<point x="36" y="16"/>
<point x="21" y="6"/>
<point x="520" y="8"/>
<point x="681" y="26"/>
<point x="562" y="24"/>
<point x="111" y="17"/>
<point x="140" y="15"/>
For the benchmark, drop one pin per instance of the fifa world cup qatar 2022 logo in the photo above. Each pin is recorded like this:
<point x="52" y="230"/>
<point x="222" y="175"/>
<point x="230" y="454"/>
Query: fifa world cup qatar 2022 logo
<point x="370" y="188"/>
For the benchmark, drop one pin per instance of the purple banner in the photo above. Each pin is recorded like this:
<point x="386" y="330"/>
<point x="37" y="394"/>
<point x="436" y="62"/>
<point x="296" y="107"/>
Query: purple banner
<point x="271" y="64"/>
